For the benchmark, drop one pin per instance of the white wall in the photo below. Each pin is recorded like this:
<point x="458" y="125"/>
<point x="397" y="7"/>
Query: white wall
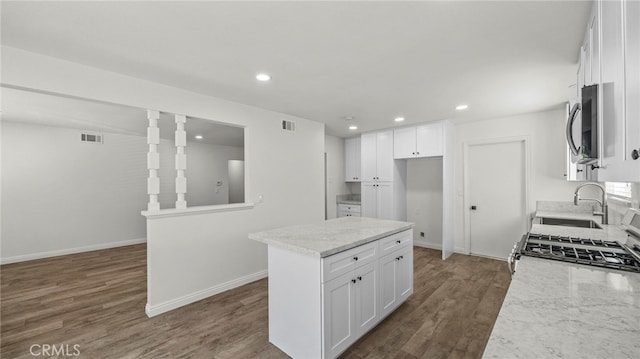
<point x="545" y="132"/>
<point x="193" y="256"/>
<point x="98" y="185"/>
<point x="424" y="200"/>
<point x="334" y="147"/>
<point x="60" y="195"/>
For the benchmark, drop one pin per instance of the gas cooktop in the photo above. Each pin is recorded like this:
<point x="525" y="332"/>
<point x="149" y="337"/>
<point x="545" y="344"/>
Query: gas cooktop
<point x="593" y="252"/>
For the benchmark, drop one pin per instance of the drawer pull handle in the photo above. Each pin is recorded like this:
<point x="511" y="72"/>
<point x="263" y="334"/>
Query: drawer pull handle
<point x="397" y="258"/>
<point x="353" y="281"/>
<point x="359" y="278"/>
<point x="398" y="241"/>
<point x="355" y="258"/>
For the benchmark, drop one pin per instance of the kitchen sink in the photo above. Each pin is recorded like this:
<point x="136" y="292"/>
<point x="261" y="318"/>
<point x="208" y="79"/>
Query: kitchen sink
<point x="581" y="223"/>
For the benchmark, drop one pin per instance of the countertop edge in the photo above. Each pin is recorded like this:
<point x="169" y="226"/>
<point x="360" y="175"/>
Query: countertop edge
<point x="332" y="251"/>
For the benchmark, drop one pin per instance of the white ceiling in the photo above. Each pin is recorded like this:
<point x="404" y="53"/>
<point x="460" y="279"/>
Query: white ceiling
<point x="44" y="109"/>
<point x="370" y="60"/>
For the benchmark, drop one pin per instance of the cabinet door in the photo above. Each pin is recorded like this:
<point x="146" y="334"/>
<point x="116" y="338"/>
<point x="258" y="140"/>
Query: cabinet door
<point x="366" y="307"/>
<point x="385" y="205"/>
<point x="369" y="156"/>
<point x="338" y="326"/>
<point x="595" y="45"/>
<point x="388" y="292"/>
<point x="430" y="140"/>
<point x="369" y="200"/>
<point x="612" y="80"/>
<point x="632" y="84"/>
<point x="384" y="153"/>
<point x="404" y="273"/>
<point x="404" y="143"/>
<point x="352" y="159"/>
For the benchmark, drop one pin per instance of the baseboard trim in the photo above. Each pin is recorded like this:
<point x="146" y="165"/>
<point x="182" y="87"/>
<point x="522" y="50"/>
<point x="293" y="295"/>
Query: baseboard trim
<point x="437" y="246"/>
<point x="202" y="294"/>
<point x="427" y="245"/>
<point x="64" y="252"/>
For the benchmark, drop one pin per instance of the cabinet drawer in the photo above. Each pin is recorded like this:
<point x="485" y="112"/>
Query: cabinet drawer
<point x="343" y="262"/>
<point x="395" y="241"/>
<point x="349" y="208"/>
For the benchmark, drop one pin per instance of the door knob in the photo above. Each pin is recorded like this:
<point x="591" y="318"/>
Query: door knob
<point x="473" y="208"/>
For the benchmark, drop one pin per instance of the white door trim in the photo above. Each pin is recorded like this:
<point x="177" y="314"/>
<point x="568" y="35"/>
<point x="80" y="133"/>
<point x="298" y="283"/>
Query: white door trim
<point x="465" y="171"/>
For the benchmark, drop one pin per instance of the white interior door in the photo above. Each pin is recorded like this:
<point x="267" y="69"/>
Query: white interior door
<point x="497" y="197"/>
<point x="236" y="181"/>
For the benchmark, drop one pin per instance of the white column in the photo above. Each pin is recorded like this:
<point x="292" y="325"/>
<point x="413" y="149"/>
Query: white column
<point x="181" y="162"/>
<point x="153" y="160"/>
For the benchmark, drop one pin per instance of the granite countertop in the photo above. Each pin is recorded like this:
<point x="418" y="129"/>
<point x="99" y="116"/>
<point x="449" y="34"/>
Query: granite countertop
<point x="356" y="203"/>
<point x="563" y="310"/>
<point x="330" y="237"/>
<point x="607" y="233"/>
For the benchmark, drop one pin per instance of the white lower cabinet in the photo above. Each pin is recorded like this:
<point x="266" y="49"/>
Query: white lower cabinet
<point x="348" y="210"/>
<point x="396" y="279"/>
<point x="350" y="308"/>
<point x="318" y="307"/>
<point x="377" y="200"/>
<point x="339" y="317"/>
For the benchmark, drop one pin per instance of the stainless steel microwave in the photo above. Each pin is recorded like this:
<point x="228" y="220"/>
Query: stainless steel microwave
<point x="587" y="111"/>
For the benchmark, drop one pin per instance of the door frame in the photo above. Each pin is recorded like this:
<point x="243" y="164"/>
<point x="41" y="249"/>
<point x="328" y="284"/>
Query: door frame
<point x="467" y="199"/>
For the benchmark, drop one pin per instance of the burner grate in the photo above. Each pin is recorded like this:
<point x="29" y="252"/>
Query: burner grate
<point x="598" y="253"/>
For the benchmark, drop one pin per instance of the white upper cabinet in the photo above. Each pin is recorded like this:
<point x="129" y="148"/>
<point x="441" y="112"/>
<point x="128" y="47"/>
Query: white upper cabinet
<point x="352" y="159"/>
<point x="594" y="47"/>
<point x="430" y="139"/>
<point x="404" y="142"/>
<point x="420" y="141"/>
<point x="619" y="91"/>
<point x="377" y="156"/>
<point x="632" y="85"/>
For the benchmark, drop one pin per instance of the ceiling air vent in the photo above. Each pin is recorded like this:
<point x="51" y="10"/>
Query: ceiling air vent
<point x="288" y="126"/>
<point x="91" y="137"/>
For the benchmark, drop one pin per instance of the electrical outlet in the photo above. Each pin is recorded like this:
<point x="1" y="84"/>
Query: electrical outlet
<point x="422" y="234"/>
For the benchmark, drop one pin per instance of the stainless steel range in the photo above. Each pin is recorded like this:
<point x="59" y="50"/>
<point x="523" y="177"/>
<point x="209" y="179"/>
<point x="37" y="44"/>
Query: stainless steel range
<point x="594" y="252"/>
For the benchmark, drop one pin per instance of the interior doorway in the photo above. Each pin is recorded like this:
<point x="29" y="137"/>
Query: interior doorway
<point x="496" y="202"/>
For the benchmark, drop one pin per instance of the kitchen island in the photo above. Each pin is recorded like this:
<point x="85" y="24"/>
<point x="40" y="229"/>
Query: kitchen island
<point x="333" y="281"/>
<point x="557" y="309"/>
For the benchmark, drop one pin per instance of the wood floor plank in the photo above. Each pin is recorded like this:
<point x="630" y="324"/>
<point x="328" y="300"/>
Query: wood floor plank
<point x="97" y="299"/>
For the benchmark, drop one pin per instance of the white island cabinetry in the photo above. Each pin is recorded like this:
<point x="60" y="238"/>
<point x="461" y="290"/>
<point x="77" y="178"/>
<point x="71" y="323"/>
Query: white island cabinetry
<point x="326" y="282"/>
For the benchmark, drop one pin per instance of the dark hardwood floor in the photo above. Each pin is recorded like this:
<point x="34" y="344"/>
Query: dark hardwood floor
<point x="97" y="299"/>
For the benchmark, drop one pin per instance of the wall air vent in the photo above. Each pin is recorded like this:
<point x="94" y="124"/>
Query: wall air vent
<point x="288" y="126"/>
<point x="91" y="137"/>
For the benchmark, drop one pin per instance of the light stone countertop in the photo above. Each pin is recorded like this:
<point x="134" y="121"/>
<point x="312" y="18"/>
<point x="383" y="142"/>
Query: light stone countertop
<point x="557" y="309"/>
<point x="562" y="310"/>
<point x="355" y="203"/>
<point x="331" y="236"/>
<point x="607" y="233"/>
<point x="568" y="215"/>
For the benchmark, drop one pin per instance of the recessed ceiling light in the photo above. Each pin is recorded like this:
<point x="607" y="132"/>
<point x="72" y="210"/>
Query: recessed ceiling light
<point x="399" y="119"/>
<point x="353" y="127"/>
<point x="461" y="107"/>
<point x="199" y="137"/>
<point x="263" y="77"/>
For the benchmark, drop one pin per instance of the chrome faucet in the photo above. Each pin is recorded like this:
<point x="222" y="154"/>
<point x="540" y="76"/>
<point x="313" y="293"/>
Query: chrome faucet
<point x="603" y="203"/>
